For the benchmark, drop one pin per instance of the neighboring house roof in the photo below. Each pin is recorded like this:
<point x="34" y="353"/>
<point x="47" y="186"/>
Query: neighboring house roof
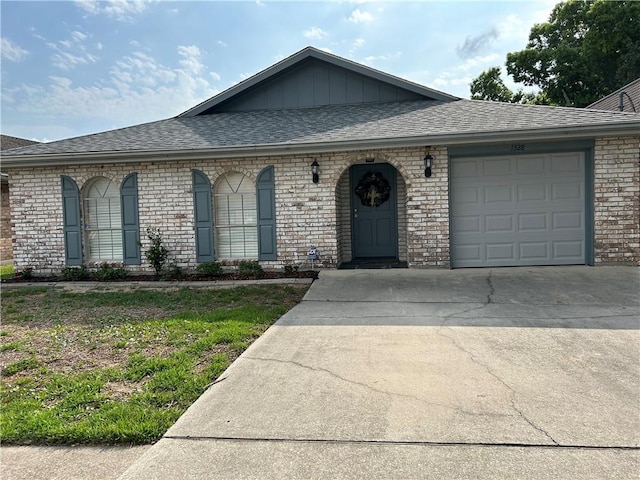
<point x="425" y="117"/>
<point x="7" y="142"/>
<point x="626" y="99"/>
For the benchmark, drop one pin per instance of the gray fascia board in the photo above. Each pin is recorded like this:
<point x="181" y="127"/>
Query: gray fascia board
<point x="320" y="55"/>
<point x="314" y="148"/>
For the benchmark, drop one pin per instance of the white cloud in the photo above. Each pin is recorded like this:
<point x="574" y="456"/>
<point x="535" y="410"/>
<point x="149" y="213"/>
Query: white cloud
<point x="11" y="51"/>
<point x="359" y="42"/>
<point x="371" y="59"/>
<point x="358" y="16"/>
<point x="456" y="81"/>
<point x="121" y="10"/>
<point x="68" y="61"/>
<point x="315" y="33"/>
<point x="68" y="54"/>
<point x="138" y="89"/>
<point x="191" y="60"/>
<point x="78" y="36"/>
<point x="221" y="43"/>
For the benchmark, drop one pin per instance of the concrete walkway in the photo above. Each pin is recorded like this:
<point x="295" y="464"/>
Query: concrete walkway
<point x="488" y="373"/>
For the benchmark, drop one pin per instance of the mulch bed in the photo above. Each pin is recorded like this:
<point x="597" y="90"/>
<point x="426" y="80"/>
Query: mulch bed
<point x="176" y="278"/>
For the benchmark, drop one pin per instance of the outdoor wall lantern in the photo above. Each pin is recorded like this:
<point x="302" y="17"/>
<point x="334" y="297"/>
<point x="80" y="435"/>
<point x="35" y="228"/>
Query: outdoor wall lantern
<point x="428" y="162"/>
<point x="314" y="171"/>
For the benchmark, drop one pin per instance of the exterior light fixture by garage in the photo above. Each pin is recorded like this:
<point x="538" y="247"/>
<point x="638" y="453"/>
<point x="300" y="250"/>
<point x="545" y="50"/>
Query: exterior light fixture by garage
<point x="314" y="171"/>
<point x="428" y="161"/>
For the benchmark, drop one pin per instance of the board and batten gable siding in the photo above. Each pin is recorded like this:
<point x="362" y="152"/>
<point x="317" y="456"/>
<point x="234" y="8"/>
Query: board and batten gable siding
<point x="314" y="83"/>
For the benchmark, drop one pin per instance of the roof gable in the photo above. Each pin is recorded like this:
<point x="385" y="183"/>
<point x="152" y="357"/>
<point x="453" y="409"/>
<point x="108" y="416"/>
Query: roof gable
<point x="312" y="78"/>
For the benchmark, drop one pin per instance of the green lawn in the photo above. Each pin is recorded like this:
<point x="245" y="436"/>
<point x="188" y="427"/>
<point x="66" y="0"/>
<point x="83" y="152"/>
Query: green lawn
<point x="6" y="271"/>
<point x="120" y="367"/>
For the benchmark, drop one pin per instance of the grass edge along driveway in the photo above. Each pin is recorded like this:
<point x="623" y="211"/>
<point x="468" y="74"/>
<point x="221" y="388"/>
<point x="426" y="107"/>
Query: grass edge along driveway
<point x="120" y="367"/>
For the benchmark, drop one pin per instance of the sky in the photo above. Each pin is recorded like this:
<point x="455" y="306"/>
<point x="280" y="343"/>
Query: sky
<point x="78" y="67"/>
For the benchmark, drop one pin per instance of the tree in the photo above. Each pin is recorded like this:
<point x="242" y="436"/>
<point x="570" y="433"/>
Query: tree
<point x="490" y="86"/>
<point x="586" y="50"/>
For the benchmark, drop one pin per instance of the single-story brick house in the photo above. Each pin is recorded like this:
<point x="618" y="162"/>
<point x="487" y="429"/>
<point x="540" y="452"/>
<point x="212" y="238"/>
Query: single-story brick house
<point x="366" y="166"/>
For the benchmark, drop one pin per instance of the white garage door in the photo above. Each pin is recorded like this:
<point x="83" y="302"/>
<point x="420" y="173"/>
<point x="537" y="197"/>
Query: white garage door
<point x="520" y="210"/>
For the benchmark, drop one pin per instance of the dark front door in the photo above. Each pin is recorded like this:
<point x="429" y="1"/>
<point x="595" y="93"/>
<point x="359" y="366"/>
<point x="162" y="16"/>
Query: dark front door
<point x="373" y="211"/>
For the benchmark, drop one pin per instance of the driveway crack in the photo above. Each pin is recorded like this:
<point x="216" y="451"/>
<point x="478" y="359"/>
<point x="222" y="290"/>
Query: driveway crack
<point x="369" y="387"/>
<point x="492" y="290"/>
<point x="505" y="384"/>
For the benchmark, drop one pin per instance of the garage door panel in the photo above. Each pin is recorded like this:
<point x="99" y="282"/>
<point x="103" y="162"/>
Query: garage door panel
<point x="564" y="163"/>
<point x="464" y="169"/>
<point x="534" y="251"/>
<point x="530" y="193"/>
<point x="500" y="252"/>
<point x="566" y="191"/>
<point x="571" y="250"/>
<point x="499" y="223"/>
<point x="497" y="167"/>
<point x="567" y="220"/>
<point x="533" y="222"/>
<point x="518" y="210"/>
<point x="467" y="224"/>
<point x="469" y="195"/>
<point x="529" y="165"/>
<point x="471" y="252"/>
<point x="498" y="193"/>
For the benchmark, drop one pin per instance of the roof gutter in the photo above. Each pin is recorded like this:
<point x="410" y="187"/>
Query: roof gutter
<point x="315" y="148"/>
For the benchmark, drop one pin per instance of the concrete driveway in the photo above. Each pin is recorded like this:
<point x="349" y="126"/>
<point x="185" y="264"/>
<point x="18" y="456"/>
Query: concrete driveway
<point x="488" y="373"/>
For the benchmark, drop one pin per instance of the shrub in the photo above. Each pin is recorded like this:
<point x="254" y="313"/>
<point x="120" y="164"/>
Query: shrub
<point x="27" y="273"/>
<point x="106" y="273"/>
<point x="250" y="268"/>
<point x="157" y="253"/>
<point x="73" y="274"/>
<point x="291" y="269"/>
<point x="173" y="271"/>
<point x="210" y="269"/>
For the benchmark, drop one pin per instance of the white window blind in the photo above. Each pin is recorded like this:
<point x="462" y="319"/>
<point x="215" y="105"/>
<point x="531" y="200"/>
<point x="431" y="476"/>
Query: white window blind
<point x="236" y="222"/>
<point x="102" y="220"/>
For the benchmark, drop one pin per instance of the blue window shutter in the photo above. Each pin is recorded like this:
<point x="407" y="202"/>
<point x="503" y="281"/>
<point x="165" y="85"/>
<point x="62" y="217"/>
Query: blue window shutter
<point x="266" y="202"/>
<point x="130" y="223"/>
<point x="72" y="225"/>
<point x="203" y="217"/>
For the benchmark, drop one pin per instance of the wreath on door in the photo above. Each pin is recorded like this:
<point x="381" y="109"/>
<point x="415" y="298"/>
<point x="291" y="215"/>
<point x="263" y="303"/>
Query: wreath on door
<point x="373" y="189"/>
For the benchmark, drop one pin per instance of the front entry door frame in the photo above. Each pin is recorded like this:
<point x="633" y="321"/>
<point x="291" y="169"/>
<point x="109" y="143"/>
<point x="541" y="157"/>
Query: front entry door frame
<point x="374" y="230"/>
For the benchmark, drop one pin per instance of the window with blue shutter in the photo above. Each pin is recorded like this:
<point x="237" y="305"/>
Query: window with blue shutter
<point x="130" y="223"/>
<point x="72" y="226"/>
<point x="266" y="203"/>
<point x="203" y="217"/>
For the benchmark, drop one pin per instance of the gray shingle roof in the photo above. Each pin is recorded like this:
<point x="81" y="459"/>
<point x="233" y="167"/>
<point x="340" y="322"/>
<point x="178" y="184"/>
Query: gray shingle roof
<point x="325" y="125"/>
<point x="630" y="100"/>
<point x="8" y="142"/>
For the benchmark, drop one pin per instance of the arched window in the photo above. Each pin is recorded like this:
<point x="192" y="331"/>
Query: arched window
<point x="102" y="220"/>
<point x="235" y="217"/>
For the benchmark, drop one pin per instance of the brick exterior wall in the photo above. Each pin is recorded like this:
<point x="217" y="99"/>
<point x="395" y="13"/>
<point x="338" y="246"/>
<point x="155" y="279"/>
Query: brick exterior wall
<point x="6" y="249"/>
<point x="307" y="212"/>
<point x="617" y="200"/>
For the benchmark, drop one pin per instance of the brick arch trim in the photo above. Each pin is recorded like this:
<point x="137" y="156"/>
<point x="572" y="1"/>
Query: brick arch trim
<point x="356" y="159"/>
